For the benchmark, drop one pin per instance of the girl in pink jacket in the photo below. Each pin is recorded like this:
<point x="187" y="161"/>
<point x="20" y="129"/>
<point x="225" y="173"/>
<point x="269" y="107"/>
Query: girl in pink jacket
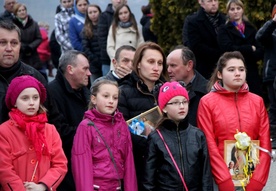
<point x="31" y="152"/>
<point x="102" y="156"/>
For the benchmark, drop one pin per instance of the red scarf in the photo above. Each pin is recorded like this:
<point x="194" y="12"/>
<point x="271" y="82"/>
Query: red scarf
<point x="34" y="127"/>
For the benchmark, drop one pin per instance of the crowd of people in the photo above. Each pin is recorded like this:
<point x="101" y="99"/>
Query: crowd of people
<point x="72" y="134"/>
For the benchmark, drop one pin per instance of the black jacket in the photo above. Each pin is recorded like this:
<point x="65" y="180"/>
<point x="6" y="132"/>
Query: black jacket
<point x="30" y="40"/>
<point x="267" y="37"/>
<point x="110" y="76"/>
<point x="71" y="106"/>
<point x="91" y="48"/>
<point x="134" y="99"/>
<point x="196" y="92"/>
<point x="202" y="40"/>
<point x="55" y="49"/>
<point x="147" y="33"/>
<point x="189" y="149"/>
<point x="7" y="15"/>
<point x="104" y="24"/>
<point x="230" y="39"/>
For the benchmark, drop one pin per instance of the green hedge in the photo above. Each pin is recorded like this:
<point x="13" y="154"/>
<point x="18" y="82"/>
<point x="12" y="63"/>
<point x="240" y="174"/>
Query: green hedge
<point x="169" y="16"/>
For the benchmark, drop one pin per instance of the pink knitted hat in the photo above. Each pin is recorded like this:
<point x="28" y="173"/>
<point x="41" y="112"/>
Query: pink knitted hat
<point x="170" y="90"/>
<point x="20" y="83"/>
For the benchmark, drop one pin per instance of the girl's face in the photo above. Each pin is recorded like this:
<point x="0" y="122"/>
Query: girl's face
<point x="151" y="66"/>
<point x="82" y="6"/>
<point x="177" y="108"/>
<point x="235" y="12"/>
<point x="106" y="100"/>
<point x="22" y="12"/>
<point x="93" y="14"/>
<point x="233" y="75"/>
<point x="124" y="14"/>
<point x="67" y="3"/>
<point x="28" y="101"/>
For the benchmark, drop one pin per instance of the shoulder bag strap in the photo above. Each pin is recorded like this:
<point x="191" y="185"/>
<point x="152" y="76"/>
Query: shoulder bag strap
<point x="176" y="166"/>
<point x="109" y="151"/>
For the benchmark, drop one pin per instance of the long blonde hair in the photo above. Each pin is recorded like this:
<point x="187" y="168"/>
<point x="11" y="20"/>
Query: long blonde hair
<point x="239" y="3"/>
<point x="96" y="88"/>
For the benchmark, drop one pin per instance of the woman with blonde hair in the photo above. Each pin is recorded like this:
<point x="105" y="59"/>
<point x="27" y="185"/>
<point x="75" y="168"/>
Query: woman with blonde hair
<point x="238" y="34"/>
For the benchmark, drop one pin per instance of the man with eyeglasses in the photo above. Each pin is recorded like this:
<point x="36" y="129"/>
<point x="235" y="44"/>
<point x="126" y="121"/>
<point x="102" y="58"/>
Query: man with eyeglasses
<point x="181" y="65"/>
<point x="62" y="24"/>
<point x="122" y="64"/>
<point x="8" y="6"/>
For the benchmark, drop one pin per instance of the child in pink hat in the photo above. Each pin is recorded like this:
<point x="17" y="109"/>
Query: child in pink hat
<point x="177" y="157"/>
<point x="31" y="150"/>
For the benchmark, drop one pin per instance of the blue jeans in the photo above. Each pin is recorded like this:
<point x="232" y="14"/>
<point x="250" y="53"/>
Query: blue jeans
<point x="105" y="69"/>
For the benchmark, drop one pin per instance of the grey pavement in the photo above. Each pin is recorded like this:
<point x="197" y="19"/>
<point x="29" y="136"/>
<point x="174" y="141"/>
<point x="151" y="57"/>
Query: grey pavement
<point x="271" y="183"/>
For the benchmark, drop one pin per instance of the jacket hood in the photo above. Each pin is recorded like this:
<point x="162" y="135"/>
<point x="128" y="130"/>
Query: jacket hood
<point x="109" y="9"/>
<point x="217" y="87"/>
<point x="77" y="11"/>
<point x="96" y="116"/>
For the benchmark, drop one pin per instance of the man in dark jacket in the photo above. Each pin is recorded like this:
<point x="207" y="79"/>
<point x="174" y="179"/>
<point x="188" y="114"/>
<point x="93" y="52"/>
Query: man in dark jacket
<point x="71" y="95"/>
<point x="11" y="67"/>
<point x="8" y="6"/>
<point x="122" y="64"/>
<point x="104" y="24"/>
<point x="181" y="64"/>
<point x="202" y="35"/>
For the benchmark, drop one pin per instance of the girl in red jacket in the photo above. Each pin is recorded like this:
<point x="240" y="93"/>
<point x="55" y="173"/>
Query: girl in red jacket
<point x="230" y="107"/>
<point x="31" y="152"/>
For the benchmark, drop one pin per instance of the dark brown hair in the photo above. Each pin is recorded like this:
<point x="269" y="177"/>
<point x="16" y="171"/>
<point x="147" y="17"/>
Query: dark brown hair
<point x="222" y="62"/>
<point x="116" y="20"/>
<point x="88" y="25"/>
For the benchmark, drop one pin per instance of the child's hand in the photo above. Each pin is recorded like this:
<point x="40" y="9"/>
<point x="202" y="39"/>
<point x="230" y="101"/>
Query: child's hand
<point x="31" y="186"/>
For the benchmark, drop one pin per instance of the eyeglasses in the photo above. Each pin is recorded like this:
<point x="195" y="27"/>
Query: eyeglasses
<point x="178" y="103"/>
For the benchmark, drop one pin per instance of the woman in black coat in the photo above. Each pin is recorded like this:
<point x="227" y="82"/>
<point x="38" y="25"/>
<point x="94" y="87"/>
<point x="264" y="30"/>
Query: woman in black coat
<point x="239" y="35"/>
<point x="146" y="23"/>
<point x="136" y="94"/>
<point x="30" y="36"/>
<point x="90" y="41"/>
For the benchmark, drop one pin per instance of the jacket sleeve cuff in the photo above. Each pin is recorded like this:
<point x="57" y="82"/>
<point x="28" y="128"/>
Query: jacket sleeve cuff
<point x="227" y="185"/>
<point x="254" y="185"/>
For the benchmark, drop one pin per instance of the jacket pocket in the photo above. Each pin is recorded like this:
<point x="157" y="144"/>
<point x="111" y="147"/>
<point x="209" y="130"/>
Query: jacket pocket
<point x="18" y="154"/>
